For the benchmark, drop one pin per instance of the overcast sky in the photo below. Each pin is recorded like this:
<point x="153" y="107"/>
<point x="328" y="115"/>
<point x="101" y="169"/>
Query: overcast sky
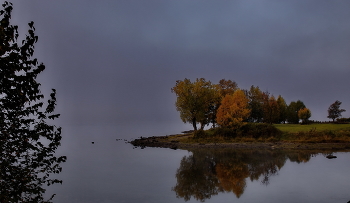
<point x="114" y="62"/>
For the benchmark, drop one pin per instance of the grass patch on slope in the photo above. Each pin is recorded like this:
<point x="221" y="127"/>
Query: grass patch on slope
<point x="318" y="127"/>
<point x="315" y="133"/>
<point x="258" y="132"/>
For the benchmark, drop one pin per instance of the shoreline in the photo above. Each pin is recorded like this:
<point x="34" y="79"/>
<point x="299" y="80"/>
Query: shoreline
<point x="171" y="143"/>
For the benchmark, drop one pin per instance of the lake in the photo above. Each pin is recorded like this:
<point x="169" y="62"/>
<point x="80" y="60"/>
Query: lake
<point x="110" y="170"/>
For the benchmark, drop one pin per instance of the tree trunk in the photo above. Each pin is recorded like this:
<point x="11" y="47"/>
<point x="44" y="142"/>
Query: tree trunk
<point x="194" y="123"/>
<point x="202" y="126"/>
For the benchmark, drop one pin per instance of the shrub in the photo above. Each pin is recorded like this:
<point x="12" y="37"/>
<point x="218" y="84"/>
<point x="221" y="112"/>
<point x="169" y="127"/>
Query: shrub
<point x="259" y="130"/>
<point x="199" y="134"/>
<point x="249" y="130"/>
<point x="224" y="132"/>
<point x="343" y="120"/>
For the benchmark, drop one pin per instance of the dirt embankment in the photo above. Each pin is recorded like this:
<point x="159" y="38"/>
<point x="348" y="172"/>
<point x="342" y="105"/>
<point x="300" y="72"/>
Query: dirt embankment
<point x="173" y="142"/>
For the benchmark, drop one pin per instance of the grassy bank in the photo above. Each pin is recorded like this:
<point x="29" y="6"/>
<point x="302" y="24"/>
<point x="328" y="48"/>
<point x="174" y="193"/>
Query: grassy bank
<point x="312" y="133"/>
<point x="258" y="135"/>
<point x="318" y="127"/>
<point x="315" y="133"/>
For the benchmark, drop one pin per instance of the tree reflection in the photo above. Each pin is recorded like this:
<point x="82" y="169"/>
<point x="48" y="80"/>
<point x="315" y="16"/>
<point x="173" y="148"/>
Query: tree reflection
<point x="299" y="157"/>
<point x="207" y="172"/>
<point x="232" y="177"/>
<point x="196" y="177"/>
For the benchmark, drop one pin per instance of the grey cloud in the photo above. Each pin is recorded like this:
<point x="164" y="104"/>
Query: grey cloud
<point x="115" y="61"/>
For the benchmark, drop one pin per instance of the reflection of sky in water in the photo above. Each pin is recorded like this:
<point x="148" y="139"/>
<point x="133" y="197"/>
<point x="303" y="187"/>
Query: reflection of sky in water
<point x="319" y="180"/>
<point x="112" y="171"/>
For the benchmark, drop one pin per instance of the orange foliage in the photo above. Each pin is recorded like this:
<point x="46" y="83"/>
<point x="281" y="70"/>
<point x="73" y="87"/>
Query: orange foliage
<point x="232" y="177"/>
<point x="233" y="110"/>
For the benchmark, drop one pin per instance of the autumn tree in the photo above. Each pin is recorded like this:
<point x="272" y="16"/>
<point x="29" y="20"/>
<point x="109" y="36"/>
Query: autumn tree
<point x="270" y="107"/>
<point x="292" y="111"/>
<point x="304" y="114"/>
<point x="226" y="87"/>
<point x="255" y="96"/>
<point x="282" y="109"/>
<point x="223" y="88"/>
<point x="233" y="109"/>
<point x="334" y="110"/>
<point x="194" y="101"/>
<point x="28" y="139"/>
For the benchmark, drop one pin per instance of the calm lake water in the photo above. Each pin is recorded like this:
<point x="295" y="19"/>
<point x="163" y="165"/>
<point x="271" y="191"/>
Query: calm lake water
<point x="112" y="171"/>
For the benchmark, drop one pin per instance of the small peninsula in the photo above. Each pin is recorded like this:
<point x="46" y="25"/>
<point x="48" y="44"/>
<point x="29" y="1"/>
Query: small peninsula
<point x="248" y="119"/>
<point x="325" y="136"/>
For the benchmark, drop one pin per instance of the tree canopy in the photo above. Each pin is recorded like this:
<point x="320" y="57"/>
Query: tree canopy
<point x="195" y="100"/>
<point x="270" y="107"/>
<point x="304" y="114"/>
<point x="223" y="88"/>
<point x="282" y="109"/>
<point x="292" y="111"/>
<point x="255" y="96"/>
<point x="28" y="140"/>
<point x="233" y="110"/>
<point x="226" y="87"/>
<point x="334" y="110"/>
<point x="225" y="104"/>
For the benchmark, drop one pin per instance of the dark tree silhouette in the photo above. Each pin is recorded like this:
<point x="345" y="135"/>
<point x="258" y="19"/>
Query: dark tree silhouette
<point x="334" y="110"/>
<point x="28" y="140"/>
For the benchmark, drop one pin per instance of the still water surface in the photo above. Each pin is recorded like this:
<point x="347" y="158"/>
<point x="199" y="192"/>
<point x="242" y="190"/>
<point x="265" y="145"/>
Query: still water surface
<point x="112" y="171"/>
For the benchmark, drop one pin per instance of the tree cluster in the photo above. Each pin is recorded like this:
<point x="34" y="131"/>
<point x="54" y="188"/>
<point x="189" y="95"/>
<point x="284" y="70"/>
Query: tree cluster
<point x="202" y="102"/>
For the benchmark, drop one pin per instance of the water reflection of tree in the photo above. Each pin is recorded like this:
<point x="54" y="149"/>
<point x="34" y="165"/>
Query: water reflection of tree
<point x="196" y="177"/>
<point x="299" y="157"/>
<point x="207" y="172"/>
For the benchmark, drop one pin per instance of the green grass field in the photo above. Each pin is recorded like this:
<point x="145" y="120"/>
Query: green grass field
<point x="316" y="133"/>
<point x="295" y="133"/>
<point x="294" y="128"/>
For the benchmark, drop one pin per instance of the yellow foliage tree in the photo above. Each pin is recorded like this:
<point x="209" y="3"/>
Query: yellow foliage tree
<point x="233" y="109"/>
<point x="222" y="89"/>
<point x="195" y="100"/>
<point x="304" y="114"/>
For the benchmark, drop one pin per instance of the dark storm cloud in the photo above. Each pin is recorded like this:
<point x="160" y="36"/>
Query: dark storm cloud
<point x="115" y="61"/>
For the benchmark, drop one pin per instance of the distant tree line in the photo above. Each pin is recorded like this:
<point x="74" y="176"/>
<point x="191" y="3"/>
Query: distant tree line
<point x="224" y="104"/>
